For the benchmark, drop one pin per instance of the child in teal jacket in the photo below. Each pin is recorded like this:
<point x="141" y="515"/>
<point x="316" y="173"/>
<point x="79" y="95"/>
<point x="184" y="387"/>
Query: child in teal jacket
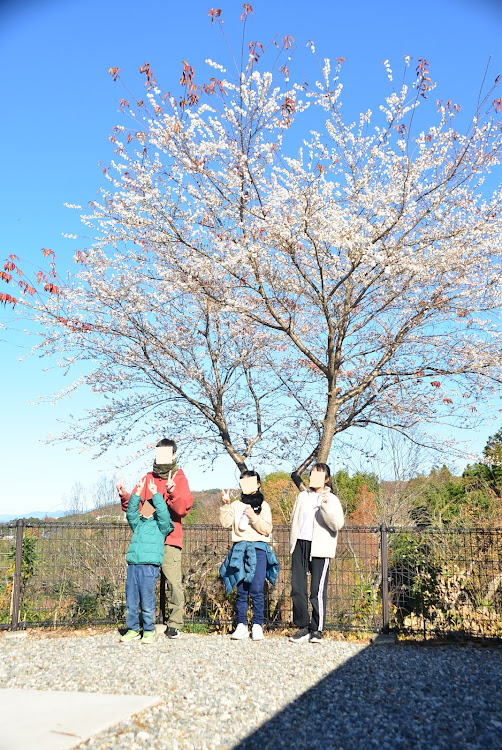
<point x="144" y="555"/>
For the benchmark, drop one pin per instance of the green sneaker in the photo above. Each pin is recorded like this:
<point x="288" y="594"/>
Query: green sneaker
<point x="148" y="636"/>
<point x="131" y="635"/>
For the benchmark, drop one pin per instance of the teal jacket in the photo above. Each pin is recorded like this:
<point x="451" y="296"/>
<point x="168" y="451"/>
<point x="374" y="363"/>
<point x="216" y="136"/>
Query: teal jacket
<point x="147" y="543"/>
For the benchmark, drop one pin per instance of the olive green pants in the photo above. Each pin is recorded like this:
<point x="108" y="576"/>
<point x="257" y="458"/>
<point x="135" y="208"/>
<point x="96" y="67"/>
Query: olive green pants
<point x="175" y="601"/>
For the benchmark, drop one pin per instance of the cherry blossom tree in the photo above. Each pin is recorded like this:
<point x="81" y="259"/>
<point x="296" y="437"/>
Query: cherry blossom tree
<point x="261" y="261"/>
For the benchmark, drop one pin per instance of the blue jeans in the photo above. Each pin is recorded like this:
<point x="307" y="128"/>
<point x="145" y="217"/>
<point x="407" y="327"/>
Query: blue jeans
<point x="140" y="588"/>
<point x="254" y="590"/>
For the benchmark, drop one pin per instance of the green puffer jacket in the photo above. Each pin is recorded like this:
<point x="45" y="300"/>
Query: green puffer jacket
<point x="147" y="543"/>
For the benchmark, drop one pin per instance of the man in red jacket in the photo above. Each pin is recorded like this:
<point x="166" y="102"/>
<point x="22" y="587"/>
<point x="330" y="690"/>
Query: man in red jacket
<point x="173" y="485"/>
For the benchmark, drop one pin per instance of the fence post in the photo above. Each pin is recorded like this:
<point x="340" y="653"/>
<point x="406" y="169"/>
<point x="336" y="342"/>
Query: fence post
<point x="16" y="590"/>
<point x="385" y="577"/>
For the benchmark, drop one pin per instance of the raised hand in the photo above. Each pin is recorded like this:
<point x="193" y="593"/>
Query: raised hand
<point x="120" y="486"/>
<point x="249" y="512"/>
<point x="139" y="487"/>
<point x="152" y="486"/>
<point x="225" y="497"/>
<point x="170" y="484"/>
<point x="325" y="494"/>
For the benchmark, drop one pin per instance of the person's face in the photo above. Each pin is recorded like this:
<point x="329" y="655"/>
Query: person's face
<point x="317" y="479"/>
<point x="249" y="485"/>
<point x="164" y="454"/>
<point x="148" y="509"/>
<point x="326" y="482"/>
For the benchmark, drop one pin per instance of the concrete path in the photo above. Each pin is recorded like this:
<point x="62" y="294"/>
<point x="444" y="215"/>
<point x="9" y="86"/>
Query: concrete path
<point x="53" y="720"/>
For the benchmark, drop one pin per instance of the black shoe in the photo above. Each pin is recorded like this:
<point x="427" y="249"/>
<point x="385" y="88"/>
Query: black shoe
<point x="316" y="636"/>
<point x="300" y="636"/>
<point x="172" y="633"/>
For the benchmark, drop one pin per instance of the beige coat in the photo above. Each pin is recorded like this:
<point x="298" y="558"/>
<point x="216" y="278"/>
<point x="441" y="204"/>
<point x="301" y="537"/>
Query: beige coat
<point x="328" y="521"/>
<point x="258" y="530"/>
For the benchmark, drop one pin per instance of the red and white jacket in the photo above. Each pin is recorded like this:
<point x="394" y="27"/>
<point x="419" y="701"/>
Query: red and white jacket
<point x="179" y="501"/>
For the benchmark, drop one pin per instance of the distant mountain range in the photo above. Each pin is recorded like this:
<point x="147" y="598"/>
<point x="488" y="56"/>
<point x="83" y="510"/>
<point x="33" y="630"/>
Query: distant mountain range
<point x="204" y="510"/>
<point x="4" y="518"/>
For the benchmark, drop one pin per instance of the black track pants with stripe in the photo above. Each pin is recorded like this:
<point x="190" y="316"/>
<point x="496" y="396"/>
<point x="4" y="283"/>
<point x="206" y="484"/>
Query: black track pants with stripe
<point x="318" y="568"/>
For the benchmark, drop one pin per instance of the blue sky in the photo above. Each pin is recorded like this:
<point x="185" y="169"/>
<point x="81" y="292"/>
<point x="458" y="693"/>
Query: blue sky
<point x="59" y="105"/>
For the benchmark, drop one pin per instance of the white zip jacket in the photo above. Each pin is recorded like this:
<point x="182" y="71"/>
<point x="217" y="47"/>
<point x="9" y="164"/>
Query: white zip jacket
<point x="328" y="521"/>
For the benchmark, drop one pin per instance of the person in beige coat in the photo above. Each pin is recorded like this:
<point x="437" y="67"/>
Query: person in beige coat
<point x="316" y="520"/>
<point x="250" y="519"/>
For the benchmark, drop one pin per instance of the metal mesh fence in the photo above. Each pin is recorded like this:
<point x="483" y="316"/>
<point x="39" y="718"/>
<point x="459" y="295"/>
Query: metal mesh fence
<point x="438" y="581"/>
<point x="7" y="551"/>
<point x="355" y="581"/>
<point x="70" y="573"/>
<point x="446" y="581"/>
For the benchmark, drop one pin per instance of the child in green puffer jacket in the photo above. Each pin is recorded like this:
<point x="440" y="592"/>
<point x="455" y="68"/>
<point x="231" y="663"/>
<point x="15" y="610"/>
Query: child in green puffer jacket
<point x="144" y="555"/>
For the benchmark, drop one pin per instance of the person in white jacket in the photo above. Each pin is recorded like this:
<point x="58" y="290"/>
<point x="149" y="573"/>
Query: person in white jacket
<point x="316" y="520"/>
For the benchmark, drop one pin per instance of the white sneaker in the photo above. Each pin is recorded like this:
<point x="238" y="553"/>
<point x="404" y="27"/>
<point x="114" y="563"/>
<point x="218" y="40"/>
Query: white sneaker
<point x="240" y="632"/>
<point x="257" y="633"/>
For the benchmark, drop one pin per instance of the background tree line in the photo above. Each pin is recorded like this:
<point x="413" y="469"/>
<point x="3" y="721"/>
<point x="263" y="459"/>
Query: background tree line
<point x="436" y="498"/>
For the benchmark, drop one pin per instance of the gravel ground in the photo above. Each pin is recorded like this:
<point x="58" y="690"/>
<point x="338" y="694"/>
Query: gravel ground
<point x="219" y="693"/>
